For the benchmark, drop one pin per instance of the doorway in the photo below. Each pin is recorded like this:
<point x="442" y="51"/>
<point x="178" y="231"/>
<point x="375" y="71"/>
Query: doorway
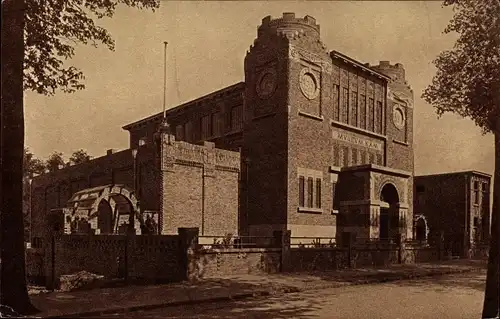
<point x="384" y="223"/>
<point x="389" y="216"/>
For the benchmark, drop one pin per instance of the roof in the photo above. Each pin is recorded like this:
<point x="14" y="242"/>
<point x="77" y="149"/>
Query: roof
<point x="351" y="61"/>
<point x="471" y="172"/>
<point x="158" y="116"/>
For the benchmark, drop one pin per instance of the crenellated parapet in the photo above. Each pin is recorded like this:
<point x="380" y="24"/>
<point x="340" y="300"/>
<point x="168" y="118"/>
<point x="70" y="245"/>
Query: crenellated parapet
<point x="289" y="29"/>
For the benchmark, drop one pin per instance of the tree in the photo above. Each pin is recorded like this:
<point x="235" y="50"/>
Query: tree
<point x="55" y="162"/>
<point x="53" y="27"/>
<point x="79" y="157"/>
<point x="31" y="166"/>
<point x="38" y="36"/>
<point x="467" y="83"/>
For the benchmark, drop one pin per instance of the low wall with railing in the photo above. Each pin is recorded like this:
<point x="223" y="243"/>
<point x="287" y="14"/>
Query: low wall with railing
<point x="187" y="256"/>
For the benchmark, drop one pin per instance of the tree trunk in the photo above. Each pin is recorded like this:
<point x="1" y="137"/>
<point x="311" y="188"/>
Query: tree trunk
<point x="492" y="292"/>
<point x="14" y="293"/>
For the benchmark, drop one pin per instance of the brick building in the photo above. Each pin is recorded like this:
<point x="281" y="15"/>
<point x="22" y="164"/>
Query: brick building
<point x="326" y="142"/>
<point x="456" y="205"/>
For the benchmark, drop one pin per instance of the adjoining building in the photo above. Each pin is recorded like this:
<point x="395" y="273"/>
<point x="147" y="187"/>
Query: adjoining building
<point x="455" y="208"/>
<point x="326" y="146"/>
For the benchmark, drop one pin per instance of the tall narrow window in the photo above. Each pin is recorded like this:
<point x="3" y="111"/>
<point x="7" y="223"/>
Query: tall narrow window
<point x="345" y="156"/>
<point x="206" y="129"/>
<point x="236" y="118"/>
<point x="476" y="192"/>
<point x="336" y="155"/>
<point x="301" y="191"/>
<point x="354" y="156"/>
<point x="379" y="118"/>
<point x="336" y="102"/>
<point x="370" y="114"/>
<point x="318" y="193"/>
<point x="362" y="112"/>
<point x="362" y="155"/>
<point x="216" y="129"/>
<point x="334" y="189"/>
<point x="189" y="132"/>
<point x="354" y="109"/>
<point x="179" y="132"/>
<point x="345" y="106"/>
<point x="310" y="190"/>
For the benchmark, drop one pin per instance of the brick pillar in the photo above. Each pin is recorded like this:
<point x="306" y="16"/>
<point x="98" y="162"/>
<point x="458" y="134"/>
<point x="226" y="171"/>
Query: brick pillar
<point x="283" y="238"/>
<point x="188" y="242"/>
<point x="167" y="161"/>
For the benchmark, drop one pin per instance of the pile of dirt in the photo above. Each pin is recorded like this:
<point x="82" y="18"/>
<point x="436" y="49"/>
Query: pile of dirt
<point x="80" y="281"/>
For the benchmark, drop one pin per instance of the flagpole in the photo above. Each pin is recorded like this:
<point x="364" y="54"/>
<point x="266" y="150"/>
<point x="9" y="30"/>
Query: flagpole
<point x="164" y="79"/>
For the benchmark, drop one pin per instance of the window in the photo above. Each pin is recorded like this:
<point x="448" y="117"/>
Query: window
<point x="189" y="132"/>
<point x="318" y="193"/>
<point x="206" y="129"/>
<point x="336" y="102"/>
<point x="179" y="132"/>
<point x="354" y="156"/>
<point x="345" y="105"/>
<point x="354" y="109"/>
<point x="336" y="155"/>
<point x="362" y="112"/>
<point x="379" y="118"/>
<point x="216" y="127"/>
<point x="484" y="187"/>
<point x="142" y="141"/>
<point x="370" y="114"/>
<point x="310" y="189"/>
<point x="301" y="191"/>
<point x="476" y="192"/>
<point x="345" y="156"/>
<point x="476" y="221"/>
<point x="362" y="155"/>
<point x="334" y="189"/>
<point x="236" y="118"/>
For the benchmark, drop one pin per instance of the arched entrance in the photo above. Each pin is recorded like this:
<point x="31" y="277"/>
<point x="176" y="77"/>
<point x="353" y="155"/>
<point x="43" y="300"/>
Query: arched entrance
<point x="104" y="217"/>
<point x="389" y="211"/>
<point x="421" y="229"/>
<point x="114" y="206"/>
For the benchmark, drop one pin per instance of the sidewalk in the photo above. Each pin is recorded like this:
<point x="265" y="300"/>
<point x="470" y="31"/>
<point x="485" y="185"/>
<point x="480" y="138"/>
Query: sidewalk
<point x="131" y="298"/>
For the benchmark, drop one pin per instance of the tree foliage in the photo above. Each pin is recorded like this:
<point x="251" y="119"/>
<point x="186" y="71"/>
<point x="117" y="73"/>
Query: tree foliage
<point x="32" y="165"/>
<point x="53" y="29"/>
<point x="467" y="81"/>
<point x="55" y="162"/>
<point x="79" y="157"/>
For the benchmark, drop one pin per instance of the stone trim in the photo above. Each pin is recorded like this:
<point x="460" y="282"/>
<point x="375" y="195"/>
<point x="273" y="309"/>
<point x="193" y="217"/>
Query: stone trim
<point x="260" y="117"/>
<point x="306" y="172"/>
<point x="227" y="169"/>
<point x="311" y="116"/>
<point x="358" y="130"/>
<point x="400" y="142"/>
<point x="379" y="169"/>
<point x="310" y="210"/>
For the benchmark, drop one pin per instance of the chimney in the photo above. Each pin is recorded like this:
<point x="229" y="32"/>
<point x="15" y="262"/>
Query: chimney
<point x="110" y="151"/>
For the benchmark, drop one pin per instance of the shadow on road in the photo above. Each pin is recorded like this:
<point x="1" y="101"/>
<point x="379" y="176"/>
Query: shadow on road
<point x="475" y="281"/>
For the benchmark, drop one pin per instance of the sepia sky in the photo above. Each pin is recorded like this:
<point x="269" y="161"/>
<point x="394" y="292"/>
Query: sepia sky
<point x="207" y="45"/>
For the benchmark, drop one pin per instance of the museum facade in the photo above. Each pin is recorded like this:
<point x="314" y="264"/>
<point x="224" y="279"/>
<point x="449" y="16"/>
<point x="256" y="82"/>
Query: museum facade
<point x="324" y="146"/>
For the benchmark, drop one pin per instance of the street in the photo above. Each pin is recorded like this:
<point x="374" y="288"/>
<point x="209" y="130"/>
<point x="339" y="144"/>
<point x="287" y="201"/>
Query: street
<point x="456" y="296"/>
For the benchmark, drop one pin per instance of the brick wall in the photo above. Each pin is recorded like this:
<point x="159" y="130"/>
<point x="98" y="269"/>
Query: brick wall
<point x="200" y="187"/>
<point x="220" y="262"/>
<point x="143" y="258"/>
<point x="185" y="120"/>
<point x="53" y="190"/>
